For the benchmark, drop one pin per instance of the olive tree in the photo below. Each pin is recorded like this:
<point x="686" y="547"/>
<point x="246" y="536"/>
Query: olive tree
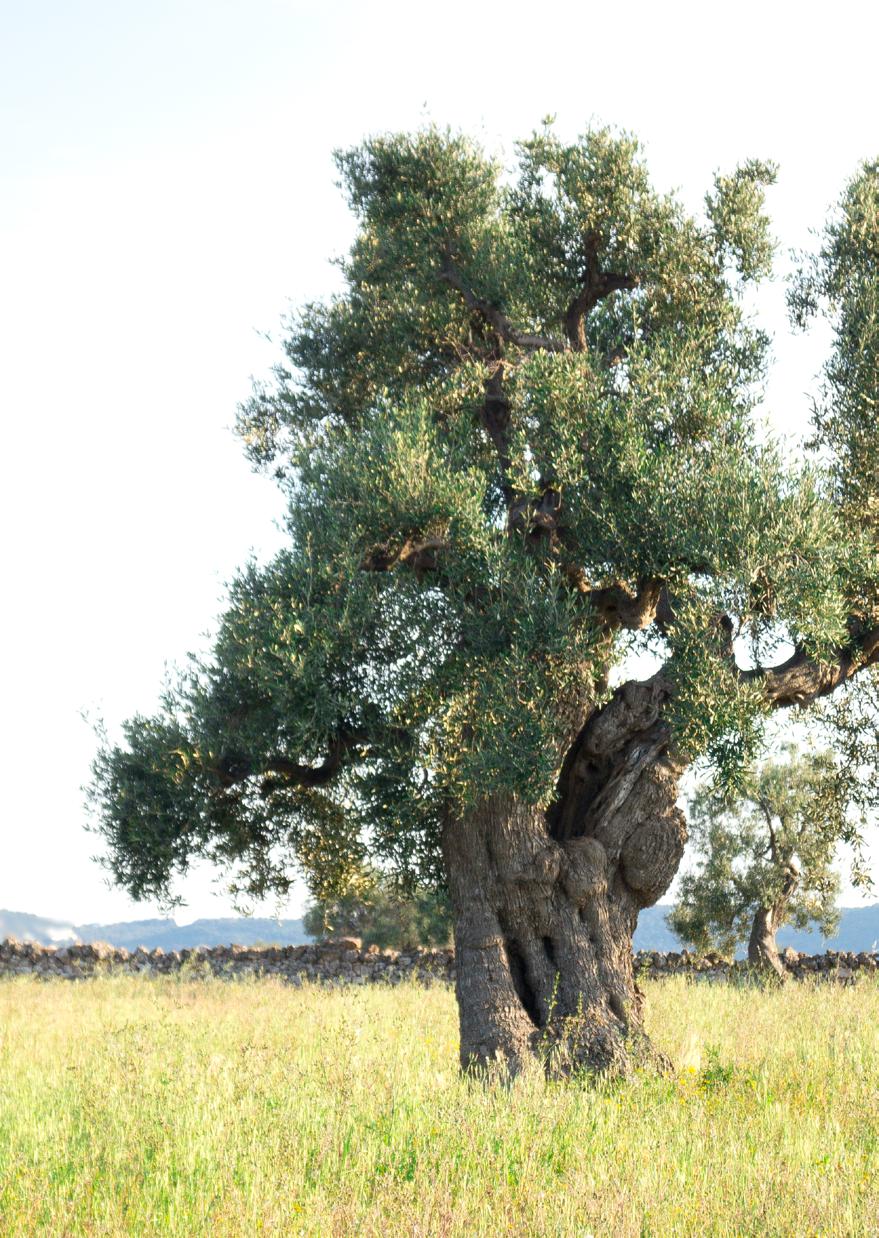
<point x="764" y="858"/>
<point x="522" y="440"/>
<point x="381" y="914"/>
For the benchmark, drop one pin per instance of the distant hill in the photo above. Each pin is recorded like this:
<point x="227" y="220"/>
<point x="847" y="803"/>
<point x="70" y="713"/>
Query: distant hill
<point x="240" y="931"/>
<point x="859" y="930"/>
<point x="36" y="928"/>
<point x="652" y="932"/>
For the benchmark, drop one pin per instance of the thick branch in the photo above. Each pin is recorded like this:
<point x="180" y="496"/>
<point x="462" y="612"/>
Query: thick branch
<point x="801" y="680"/>
<point x="420" y="555"/>
<point x="620" y="606"/>
<point x="495" y="418"/>
<point x="596" y="286"/>
<point x="773" y="841"/>
<point x="309" y="775"/>
<point x="791" y="881"/>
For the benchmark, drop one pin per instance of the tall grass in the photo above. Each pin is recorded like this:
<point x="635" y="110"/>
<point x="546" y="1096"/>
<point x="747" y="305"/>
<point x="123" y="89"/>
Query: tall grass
<point x="132" y="1106"/>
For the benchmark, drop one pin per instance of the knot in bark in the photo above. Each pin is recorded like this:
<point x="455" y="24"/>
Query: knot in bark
<point x="533" y="878"/>
<point x="651" y="855"/>
<point x="584" y="874"/>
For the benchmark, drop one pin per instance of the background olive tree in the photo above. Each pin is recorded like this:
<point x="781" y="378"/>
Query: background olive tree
<point x="381" y="913"/>
<point x="764" y="858"/>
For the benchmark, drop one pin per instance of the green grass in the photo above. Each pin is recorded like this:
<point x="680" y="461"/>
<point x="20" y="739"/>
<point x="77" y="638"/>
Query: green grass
<point x="134" y="1106"/>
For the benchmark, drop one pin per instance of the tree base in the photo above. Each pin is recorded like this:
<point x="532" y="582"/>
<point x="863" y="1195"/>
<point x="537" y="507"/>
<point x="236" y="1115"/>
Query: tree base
<point x="577" y="1047"/>
<point x="586" y="1045"/>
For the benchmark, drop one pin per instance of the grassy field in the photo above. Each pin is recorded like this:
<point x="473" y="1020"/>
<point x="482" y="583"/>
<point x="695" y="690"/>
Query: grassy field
<point x="132" y="1106"/>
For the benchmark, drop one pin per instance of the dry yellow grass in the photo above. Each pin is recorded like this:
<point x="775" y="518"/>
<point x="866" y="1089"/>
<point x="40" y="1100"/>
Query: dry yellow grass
<point x="132" y="1106"/>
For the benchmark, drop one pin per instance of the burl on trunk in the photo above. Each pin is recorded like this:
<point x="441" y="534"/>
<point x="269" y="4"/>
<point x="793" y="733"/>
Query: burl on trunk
<point x="546" y="902"/>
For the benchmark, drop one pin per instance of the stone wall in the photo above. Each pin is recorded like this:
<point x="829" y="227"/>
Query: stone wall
<point x="840" y="965"/>
<point x="340" y="962"/>
<point x="345" y="962"/>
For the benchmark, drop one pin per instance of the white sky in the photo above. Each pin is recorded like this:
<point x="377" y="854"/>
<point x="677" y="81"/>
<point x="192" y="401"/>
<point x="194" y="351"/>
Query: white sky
<point x="166" y="187"/>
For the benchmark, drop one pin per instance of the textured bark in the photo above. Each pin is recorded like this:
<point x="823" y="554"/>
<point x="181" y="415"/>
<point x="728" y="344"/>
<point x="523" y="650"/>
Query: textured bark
<point x="546" y="903"/>
<point x="762" y="946"/>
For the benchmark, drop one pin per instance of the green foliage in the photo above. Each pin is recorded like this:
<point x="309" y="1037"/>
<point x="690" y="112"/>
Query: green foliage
<point x="537" y="382"/>
<point x="842" y="282"/>
<point x="382" y="914"/>
<point x="849" y="723"/>
<point x="784" y="823"/>
<point x="741" y="227"/>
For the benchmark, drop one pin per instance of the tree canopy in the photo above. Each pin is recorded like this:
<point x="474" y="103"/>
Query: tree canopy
<point x="459" y="552"/>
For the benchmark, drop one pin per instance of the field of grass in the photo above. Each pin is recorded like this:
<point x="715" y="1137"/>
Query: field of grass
<point x="135" y="1106"/>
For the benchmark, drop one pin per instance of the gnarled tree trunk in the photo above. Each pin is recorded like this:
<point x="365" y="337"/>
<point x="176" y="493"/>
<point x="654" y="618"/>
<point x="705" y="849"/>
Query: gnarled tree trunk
<point x="762" y="946"/>
<point x="546" y="902"/>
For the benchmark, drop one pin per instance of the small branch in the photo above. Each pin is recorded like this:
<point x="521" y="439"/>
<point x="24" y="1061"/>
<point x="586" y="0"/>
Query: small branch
<point x="420" y="555"/>
<point x="232" y="769"/>
<point x="495" y="317"/>
<point x="636" y="609"/>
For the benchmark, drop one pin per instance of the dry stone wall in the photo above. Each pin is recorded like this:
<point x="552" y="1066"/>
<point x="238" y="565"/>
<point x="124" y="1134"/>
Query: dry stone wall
<point x="839" y="965"/>
<point x="338" y="962"/>
<point x="346" y="962"/>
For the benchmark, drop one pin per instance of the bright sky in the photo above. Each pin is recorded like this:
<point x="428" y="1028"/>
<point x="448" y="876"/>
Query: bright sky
<point x="166" y="188"/>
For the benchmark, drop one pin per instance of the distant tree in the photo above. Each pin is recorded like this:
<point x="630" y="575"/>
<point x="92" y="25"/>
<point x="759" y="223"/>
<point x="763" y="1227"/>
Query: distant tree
<point x="382" y="914"/>
<point x="521" y="438"/>
<point x="764" y="859"/>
